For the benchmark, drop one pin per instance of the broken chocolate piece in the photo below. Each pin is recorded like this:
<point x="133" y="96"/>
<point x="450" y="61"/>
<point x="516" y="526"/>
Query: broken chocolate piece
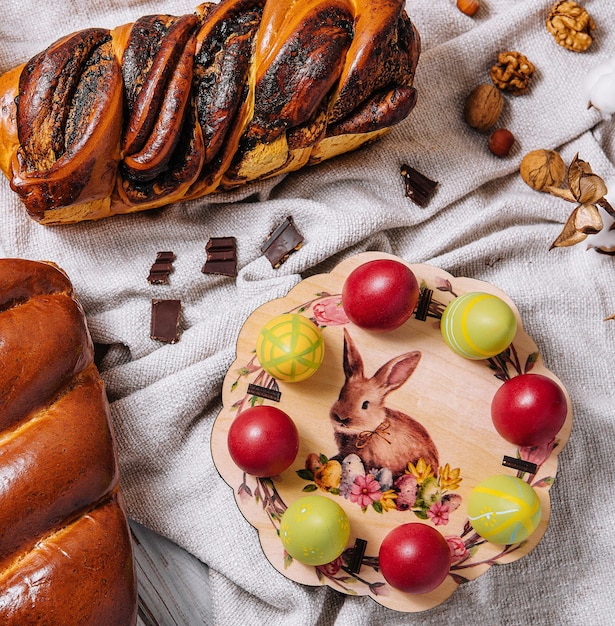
<point x="221" y="243"/>
<point x="419" y="188"/>
<point x="520" y="464"/>
<point x="165" y="320"/>
<point x="282" y="242"/>
<point x="356" y="560"/>
<point x="161" y="268"/>
<point x="221" y="256"/>
<point x="269" y="393"/>
<point x="422" y="308"/>
<point x="158" y="278"/>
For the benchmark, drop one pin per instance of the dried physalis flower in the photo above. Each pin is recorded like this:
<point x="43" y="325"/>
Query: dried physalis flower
<point x="570" y="25"/>
<point x="584" y="220"/>
<point x="585" y="186"/>
<point x="543" y="169"/>
<point x="512" y="72"/>
<point x="588" y="189"/>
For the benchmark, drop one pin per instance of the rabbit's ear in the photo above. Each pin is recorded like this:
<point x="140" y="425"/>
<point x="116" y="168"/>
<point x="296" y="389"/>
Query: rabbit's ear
<point x="396" y="372"/>
<point x="353" y="363"/>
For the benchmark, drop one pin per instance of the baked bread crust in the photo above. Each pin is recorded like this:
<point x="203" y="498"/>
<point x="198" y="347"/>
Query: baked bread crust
<point x="65" y="548"/>
<point x="172" y="108"/>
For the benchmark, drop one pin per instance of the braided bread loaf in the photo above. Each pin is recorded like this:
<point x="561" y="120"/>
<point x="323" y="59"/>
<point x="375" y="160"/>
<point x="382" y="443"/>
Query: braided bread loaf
<point x="173" y="108"/>
<point x="65" y="549"/>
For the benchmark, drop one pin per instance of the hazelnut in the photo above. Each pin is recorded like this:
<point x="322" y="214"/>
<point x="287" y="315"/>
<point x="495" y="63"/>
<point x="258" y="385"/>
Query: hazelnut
<point x="501" y="142"/>
<point x="483" y="107"/>
<point x="469" y="7"/>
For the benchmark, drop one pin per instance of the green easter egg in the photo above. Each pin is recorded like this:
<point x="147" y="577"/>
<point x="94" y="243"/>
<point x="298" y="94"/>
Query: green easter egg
<point x="504" y="509"/>
<point x="314" y="530"/>
<point x="290" y="347"/>
<point x="478" y="325"/>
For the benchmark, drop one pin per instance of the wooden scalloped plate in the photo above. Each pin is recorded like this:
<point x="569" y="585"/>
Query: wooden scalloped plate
<point x="451" y="397"/>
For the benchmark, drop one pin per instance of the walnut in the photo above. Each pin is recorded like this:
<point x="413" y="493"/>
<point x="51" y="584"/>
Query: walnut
<point x="483" y="107"/>
<point x="543" y="169"/>
<point x="512" y="72"/>
<point x="570" y="25"/>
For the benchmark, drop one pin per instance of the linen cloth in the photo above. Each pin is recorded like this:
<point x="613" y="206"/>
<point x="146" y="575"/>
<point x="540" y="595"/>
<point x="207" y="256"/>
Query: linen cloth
<point x="483" y="222"/>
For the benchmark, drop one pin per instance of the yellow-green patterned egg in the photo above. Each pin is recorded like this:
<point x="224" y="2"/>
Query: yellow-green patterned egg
<point x="504" y="509"/>
<point x="478" y="325"/>
<point x="314" y="530"/>
<point x="290" y="347"/>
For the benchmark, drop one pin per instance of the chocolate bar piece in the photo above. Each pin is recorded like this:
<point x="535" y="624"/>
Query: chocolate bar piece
<point x="282" y="242"/>
<point x="158" y="278"/>
<point x="221" y="256"/>
<point x="161" y="268"/>
<point x="165" y="320"/>
<point x="221" y="243"/>
<point x="165" y="256"/>
<point x="520" y="464"/>
<point x="422" y="308"/>
<point x="419" y="188"/>
<point x="356" y="560"/>
<point x="264" y="392"/>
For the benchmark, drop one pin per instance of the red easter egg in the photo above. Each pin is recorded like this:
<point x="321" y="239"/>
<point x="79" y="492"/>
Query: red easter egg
<point x="263" y="441"/>
<point x="414" y="558"/>
<point x="380" y="295"/>
<point x="529" y="410"/>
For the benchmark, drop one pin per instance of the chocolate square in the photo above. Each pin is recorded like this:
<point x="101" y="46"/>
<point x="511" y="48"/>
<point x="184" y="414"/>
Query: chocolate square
<point x="165" y="320"/>
<point x="221" y="256"/>
<point x="282" y="242"/>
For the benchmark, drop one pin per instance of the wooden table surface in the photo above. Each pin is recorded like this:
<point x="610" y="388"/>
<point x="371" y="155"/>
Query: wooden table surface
<point x="173" y="584"/>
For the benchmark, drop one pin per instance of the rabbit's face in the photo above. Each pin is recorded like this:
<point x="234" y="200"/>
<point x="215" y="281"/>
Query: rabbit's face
<point x="359" y="406"/>
<point x="361" y="403"/>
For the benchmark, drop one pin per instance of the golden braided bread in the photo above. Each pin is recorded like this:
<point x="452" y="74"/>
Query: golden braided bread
<point x="173" y="108"/>
<point x="65" y="551"/>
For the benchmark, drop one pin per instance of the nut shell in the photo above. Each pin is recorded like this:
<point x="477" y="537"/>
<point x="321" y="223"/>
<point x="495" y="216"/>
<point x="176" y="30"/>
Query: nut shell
<point x="483" y="107"/>
<point x="543" y="168"/>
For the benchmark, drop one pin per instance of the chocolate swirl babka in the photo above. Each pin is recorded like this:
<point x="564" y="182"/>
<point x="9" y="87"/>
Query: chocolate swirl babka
<point x="174" y="108"/>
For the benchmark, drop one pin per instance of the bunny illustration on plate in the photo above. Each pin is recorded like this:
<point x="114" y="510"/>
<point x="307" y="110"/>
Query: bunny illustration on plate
<point x="365" y="426"/>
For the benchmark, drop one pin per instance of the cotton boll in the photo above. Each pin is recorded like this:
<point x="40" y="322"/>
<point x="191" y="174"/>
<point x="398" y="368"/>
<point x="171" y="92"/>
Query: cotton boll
<point x="603" y="94"/>
<point x="599" y="87"/>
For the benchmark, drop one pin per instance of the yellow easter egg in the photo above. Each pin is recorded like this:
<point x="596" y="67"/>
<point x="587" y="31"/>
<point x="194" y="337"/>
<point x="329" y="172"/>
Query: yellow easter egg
<point x="314" y="530"/>
<point x="290" y="347"/>
<point x="504" y="509"/>
<point x="478" y="325"/>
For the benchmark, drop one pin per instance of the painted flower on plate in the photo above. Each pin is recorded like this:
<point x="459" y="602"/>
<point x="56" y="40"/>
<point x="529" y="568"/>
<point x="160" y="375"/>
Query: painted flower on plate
<point x="438" y="513"/>
<point x="329" y="312"/>
<point x="365" y="490"/>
